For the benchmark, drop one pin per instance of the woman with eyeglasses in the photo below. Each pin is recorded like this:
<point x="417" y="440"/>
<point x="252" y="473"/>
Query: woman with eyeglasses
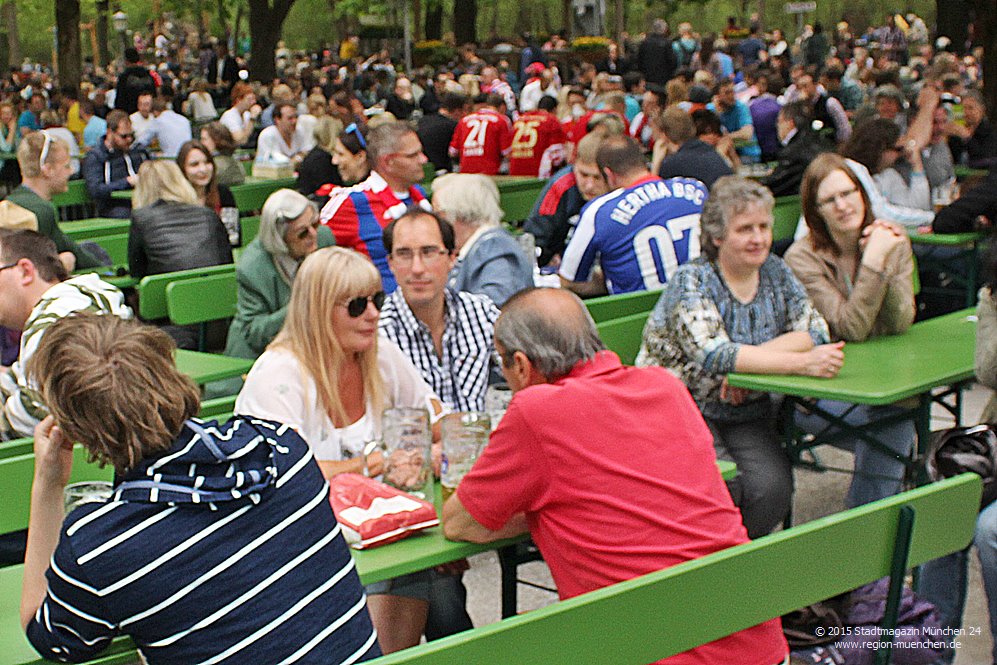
<point x="858" y="270"/>
<point x="289" y="232"/>
<point x="329" y="375"/>
<point x="350" y="154"/>
<point x="894" y="162"/>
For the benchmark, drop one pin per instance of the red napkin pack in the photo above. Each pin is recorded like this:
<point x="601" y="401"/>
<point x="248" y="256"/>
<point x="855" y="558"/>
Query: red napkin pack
<point x="372" y="513"/>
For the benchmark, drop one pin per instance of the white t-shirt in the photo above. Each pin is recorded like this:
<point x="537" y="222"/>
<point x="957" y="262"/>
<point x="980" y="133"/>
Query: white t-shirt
<point x="278" y="388"/>
<point x="271" y="143"/>
<point x="234" y="120"/>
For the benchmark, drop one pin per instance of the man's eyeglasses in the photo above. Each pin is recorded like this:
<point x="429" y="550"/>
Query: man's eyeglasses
<point x="128" y="136"/>
<point x="429" y="254"/>
<point x="835" y="198"/>
<point x="9" y="265"/>
<point x="357" y="306"/>
<point x="353" y="129"/>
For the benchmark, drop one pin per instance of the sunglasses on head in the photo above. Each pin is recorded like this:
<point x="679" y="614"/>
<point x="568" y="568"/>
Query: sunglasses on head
<point x="358" y="305"/>
<point x="353" y="129"/>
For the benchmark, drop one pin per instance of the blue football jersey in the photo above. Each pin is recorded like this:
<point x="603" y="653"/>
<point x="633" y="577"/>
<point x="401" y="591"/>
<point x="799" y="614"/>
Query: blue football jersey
<point x="640" y="235"/>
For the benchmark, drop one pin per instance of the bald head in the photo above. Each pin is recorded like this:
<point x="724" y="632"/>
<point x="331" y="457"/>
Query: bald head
<point x="551" y="327"/>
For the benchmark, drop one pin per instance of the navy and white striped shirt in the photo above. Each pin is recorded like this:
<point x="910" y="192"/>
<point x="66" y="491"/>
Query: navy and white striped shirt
<point x="460" y="376"/>
<point x="223" y="550"/>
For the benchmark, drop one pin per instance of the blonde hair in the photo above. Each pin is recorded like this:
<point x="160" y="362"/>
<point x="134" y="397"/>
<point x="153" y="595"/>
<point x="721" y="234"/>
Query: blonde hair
<point x="30" y="151"/>
<point x="161" y="179"/>
<point x="113" y="385"/>
<point x="327" y="278"/>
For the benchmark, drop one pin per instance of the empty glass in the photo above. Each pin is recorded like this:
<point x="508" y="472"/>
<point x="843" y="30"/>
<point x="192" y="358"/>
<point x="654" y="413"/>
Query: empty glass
<point x="407" y="442"/>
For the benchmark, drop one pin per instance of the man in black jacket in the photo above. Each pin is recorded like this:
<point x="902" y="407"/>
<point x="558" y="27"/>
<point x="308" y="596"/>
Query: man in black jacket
<point x="132" y="82"/>
<point x="655" y="57"/>
<point x="436" y="129"/>
<point x="975" y="210"/>
<point x="800" y="146"/>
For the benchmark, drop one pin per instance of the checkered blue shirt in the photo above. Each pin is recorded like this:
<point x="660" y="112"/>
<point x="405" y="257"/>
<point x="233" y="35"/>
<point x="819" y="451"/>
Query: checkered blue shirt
<point x="460" y="376"/>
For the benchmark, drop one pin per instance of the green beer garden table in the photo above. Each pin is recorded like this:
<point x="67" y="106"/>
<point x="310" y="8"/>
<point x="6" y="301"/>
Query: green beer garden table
<point x="87" y="229"/>
<point x="932" y="354"/>
<point x="954" y="254"/>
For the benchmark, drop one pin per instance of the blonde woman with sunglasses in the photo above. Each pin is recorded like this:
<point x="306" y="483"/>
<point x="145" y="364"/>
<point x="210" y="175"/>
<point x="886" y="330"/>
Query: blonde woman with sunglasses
<point x="330" y="376"/>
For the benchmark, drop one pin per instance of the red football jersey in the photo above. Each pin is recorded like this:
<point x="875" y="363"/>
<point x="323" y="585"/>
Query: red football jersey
<point x="481" y="140"/>
<point x="533" y="134"/>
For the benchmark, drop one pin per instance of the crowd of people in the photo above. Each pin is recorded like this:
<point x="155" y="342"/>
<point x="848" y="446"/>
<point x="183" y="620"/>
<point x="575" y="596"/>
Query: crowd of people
<point x="363" y="292"/>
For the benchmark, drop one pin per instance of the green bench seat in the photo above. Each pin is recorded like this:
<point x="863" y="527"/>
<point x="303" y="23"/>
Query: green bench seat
<point x="624" y="335"/>
<point x="116" y="246"/>
<point x="673" y="610"/>
<point x="152" y="288"/>
<point x="785" y="217"/>
<point x="619" y="305"/>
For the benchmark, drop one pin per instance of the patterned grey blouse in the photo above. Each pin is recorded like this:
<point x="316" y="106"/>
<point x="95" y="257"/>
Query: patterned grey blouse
<point x="698" y="326"/>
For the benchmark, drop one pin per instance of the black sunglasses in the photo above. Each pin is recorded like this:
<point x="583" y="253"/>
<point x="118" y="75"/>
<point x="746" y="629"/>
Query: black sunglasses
<point x="357" y="306"/>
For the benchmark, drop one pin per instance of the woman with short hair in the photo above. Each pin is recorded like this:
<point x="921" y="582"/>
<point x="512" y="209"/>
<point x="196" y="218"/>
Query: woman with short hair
<point x="489" y="260"/>
<point x="289" y="232"/>
<point x="317" y="169"/>
<point x="738" y="308"/>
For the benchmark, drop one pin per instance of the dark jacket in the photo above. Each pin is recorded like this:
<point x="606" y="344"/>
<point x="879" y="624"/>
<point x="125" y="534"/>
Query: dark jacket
<point x="794" y="159"/>
<point x="106" y="172"/>
<point x="168" y="236"/>
<point x="656" y="59"/>
<point x="695" y="159"/>
<point x="960" y="216"/>
<point x="133" y="81"/>
<point x="315" y="170"/>
<point x="435" y="131"/>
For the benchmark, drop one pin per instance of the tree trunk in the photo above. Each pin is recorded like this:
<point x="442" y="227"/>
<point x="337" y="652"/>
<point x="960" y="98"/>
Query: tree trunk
<point x="104" y="56"/>
<point x="567" y="20"/>
<point x="434" y="20"/>
<point x="621" y="22"/>
<point x="465" y="21"/>
<point x="522" y="18"/>
<point x="986" y="26"/>
<point x="222" y="16"/>
<point x="265" y="23"/>
<point x="15" y="53"/>
<point x="67" y="21"/>
<point x="953" y="20"/>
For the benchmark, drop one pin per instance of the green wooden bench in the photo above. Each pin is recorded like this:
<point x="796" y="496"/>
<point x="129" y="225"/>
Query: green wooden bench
<point x="624" y="335"/>
<point x="95" y="227"/>
<point x="218" y="408"/>
<point x="201" y="300"/>
<point x="116" y="245"/>
<point x="249" y="228"/>
<point x="517" y="197"/>
<point x="619" y="305"/>
<point x="152" y="288"/>
<point x="673" y="610"/>
<point x="16" y="475"/>
<point x="250" y="196"/>
<point x="785" y="217"/>
<point x="75" y="202"/>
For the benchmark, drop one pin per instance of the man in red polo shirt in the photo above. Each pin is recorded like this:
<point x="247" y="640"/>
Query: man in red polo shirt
<point x="482" y="138"/>
<point x="611" y="469"/>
